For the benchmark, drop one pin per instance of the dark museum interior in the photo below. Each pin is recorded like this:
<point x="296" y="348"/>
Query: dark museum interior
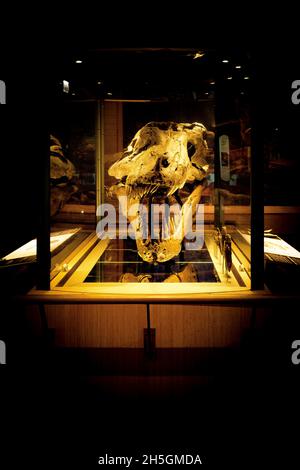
<point x="131" y="347"/>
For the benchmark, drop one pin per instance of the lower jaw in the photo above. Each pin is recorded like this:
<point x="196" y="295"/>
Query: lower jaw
<point x="162" y="250"/>
<point x="158" y="252"/>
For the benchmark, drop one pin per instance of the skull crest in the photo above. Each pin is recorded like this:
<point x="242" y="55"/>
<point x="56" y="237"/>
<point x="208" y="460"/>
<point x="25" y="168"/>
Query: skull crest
<point x="165" y="162"/>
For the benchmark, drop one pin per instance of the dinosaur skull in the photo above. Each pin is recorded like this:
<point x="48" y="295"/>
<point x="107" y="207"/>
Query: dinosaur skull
<point x="164" y="163"/>
<point x="62" y="174"/>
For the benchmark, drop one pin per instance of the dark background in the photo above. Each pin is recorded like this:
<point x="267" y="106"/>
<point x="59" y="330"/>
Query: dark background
<point x="48" y="415"/>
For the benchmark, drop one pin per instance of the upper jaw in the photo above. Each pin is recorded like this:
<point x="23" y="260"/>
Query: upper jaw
<point x="156" y="189"/>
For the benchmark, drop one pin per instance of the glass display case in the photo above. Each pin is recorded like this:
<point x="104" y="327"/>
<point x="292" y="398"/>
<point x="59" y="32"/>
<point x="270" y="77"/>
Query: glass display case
<point x="150" y="172"/>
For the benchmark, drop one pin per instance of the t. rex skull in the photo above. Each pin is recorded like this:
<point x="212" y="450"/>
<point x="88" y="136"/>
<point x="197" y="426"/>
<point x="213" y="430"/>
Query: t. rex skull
<point x="165" y="162"/>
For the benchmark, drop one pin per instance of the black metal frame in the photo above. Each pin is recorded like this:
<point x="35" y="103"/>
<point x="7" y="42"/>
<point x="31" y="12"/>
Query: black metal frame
<point x="257" y="179"/>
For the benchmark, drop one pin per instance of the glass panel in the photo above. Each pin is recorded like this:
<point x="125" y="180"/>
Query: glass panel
<point x="72" y="176"/>
<point x="165" y="157"/>
<point x="121" y="262"/>
<point x="232" y="168"/>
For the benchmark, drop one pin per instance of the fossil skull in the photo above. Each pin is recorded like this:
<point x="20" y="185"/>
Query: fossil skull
<point x="164" y="162"/>
<point x="62" y="174"/>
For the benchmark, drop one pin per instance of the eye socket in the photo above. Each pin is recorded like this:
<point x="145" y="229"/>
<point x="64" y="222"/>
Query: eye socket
<point x="191" y="149"/>
<point x="145" y="147"/>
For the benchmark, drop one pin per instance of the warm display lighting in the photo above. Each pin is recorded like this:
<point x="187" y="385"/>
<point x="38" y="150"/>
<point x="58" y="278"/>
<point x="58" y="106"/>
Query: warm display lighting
<point x="198" y="55"/>
<point x="29" y="249"/>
